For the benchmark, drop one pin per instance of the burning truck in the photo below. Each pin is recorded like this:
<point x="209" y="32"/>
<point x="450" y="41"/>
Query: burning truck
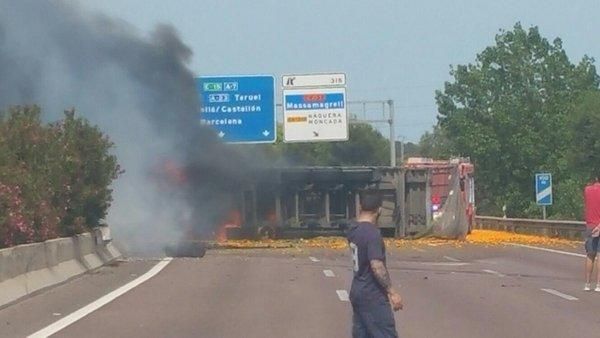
<point x="423" y="197"/>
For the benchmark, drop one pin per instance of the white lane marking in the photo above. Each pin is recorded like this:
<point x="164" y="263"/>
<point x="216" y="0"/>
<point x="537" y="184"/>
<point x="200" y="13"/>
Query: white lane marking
<point x="546" y="249"/>
<point x="560" y="294"/>
<point x="314" y="259"/>
<point x="493" y="272"/>
<point x="445" y="263"/>
<point x="343" y="295"/>
<point x="452" y="259"/>
<point x="328" y="273"/>
<point x="86" y="310"/>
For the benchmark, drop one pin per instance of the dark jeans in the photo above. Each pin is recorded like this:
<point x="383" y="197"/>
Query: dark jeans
<point x="373" y="319"/>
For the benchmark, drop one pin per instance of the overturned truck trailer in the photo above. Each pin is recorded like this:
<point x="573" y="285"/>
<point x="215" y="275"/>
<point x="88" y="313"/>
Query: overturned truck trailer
<point x="317" y="200"/>
<point x="439" y="198"/>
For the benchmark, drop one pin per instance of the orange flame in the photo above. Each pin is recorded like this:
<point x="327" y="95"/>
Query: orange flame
<point x="234" y="220"/>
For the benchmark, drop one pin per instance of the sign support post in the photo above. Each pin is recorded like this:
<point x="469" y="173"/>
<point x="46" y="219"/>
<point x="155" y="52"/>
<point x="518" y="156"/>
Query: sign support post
<point x="543" y="212"/>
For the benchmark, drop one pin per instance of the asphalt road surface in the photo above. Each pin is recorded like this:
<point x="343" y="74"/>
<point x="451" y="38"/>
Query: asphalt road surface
<point x="448" y="291"/>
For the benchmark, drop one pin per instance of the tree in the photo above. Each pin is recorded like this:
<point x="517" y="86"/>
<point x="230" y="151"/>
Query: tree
<point x="584" y="127"/>
<point x="411" y="149"/>
<point x="365" y="146"/>
<point x="582" y="156"/>
<point x="508" y="113"/>
<point x="434" y="144"/>
<point x="54" y="179"/>
<point x="88" y="169"/>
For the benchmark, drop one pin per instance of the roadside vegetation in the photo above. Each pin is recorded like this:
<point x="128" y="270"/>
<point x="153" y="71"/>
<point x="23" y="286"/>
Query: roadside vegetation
<point x="522" y="107"/>
<point x="54" y="178"/>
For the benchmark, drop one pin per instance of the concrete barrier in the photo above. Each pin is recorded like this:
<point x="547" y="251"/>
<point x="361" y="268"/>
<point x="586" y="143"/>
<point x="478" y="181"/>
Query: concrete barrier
<point x="28" y="268"/>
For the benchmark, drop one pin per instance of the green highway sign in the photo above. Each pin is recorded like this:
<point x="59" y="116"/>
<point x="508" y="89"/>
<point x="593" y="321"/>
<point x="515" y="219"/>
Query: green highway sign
<point x="213" y="86"/>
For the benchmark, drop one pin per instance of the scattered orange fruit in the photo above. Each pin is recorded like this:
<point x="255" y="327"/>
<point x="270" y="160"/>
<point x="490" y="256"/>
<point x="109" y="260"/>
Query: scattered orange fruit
<point x="484" y="237"/>
<point x="501" y="237"/>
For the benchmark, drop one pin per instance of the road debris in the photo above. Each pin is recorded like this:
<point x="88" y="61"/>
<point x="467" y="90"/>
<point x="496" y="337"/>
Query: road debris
<point x="186" y="249"/>
<point x="492" y="237"/>
<point x="483" y="237"/>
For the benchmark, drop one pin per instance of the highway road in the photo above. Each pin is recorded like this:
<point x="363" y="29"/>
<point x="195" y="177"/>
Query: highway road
<point x="449" y="291"/>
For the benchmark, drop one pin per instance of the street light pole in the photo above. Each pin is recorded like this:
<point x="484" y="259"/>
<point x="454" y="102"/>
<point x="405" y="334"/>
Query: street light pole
<point x="401" y="139"/>
<point x="402" y="151"/>
<point x="392" y="134"/>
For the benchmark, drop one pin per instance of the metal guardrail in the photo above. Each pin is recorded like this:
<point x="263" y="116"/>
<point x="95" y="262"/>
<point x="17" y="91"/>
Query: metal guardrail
<point x="550" y="228"/>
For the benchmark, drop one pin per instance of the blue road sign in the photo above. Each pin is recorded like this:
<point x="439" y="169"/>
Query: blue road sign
<point x="543" y="188"/>
<point x="240" y="108"/>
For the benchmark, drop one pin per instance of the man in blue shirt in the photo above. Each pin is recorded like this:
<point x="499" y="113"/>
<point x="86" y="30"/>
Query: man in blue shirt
<point x="372" y="295"/>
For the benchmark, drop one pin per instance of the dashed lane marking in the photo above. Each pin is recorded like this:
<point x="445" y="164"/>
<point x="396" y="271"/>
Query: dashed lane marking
<point x="493" y="272"/>
<point x="328" y="273"/>
<point x="343" y="295"/>
<point x="452" y="259"/>
<point x="314" y="259"/>
<point x="100" y="302"/>
<point x="445" y="263"/>
<point x="547" y="250"/>
<point x="560" y="294"/>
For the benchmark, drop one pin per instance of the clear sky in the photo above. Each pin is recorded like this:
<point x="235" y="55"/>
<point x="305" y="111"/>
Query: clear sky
<point x="399" y="50"/>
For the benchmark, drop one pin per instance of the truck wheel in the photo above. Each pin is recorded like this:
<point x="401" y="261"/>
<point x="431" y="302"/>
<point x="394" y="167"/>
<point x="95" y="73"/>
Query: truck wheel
<point x="266" y="232"/>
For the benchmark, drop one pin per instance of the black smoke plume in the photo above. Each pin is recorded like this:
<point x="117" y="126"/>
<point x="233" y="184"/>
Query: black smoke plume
<point x="140" y="91"/>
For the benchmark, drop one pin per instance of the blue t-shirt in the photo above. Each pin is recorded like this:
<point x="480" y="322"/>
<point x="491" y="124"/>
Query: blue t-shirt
<point x="366" y="244"/>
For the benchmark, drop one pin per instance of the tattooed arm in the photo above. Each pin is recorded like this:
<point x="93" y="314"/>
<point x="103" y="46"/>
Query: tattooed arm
<point x="383" y="278"/>
<point x="381" y="274"/>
